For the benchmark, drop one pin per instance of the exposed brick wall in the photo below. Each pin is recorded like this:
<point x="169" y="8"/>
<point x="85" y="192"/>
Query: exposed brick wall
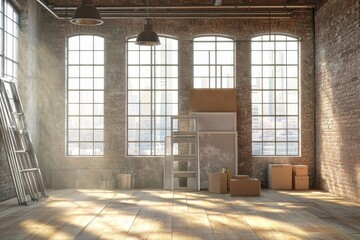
<point x="338" y="98"/>
<point x="7" y="189"/>
<point x="43" y="89"/>
<point x="28" y="55"/>
<point x="149" y="170"/>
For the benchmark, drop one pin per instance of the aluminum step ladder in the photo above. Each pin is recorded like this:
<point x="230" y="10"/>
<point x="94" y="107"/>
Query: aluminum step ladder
<point x="185" y="153"/>
<point x="24" y="167"/>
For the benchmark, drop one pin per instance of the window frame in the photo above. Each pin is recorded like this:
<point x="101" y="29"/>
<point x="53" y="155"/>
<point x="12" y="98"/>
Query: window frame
<point x="95" y="107"/>
<point x="284" y="112"/>
<point x="158" y="126"/>
<point x="9" y="61"/>
<point x="215" y="78"/>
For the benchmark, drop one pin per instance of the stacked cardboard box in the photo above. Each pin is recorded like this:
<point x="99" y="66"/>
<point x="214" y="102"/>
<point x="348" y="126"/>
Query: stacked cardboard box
<point x="279" y="176"/>
<point x="300" y="177"/>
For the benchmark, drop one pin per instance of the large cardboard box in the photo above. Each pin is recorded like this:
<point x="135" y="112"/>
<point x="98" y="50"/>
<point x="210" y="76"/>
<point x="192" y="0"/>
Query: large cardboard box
<point x="300" y="170"/>
<point x="280" y="176"/>
<point x="245" y="186"/>
<point x="301" y="182"/>
<point x="212" y="100"/>
<point x="217" y="182"/>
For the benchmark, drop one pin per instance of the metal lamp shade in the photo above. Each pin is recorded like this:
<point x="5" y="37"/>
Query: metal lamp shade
<point x="148" y="37"/>
<point x="87" y="15"/>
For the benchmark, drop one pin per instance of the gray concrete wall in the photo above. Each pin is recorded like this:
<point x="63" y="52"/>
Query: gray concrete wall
<point x="62" y="171"/>
<point x="29" y="32"/>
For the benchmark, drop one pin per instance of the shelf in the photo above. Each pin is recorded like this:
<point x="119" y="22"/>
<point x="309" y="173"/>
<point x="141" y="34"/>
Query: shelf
<point x="185" y="174"/>
<point x="184" y="134"/>
<point x="183" y="148"/>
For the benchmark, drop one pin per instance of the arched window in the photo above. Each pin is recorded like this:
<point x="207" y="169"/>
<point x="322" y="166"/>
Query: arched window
<point x="9" y="33"/>
<point x="214" y="62"/>
<point x="152" y="95"/>
<point x="275" y="95"/>
<point x="85" y="95"/>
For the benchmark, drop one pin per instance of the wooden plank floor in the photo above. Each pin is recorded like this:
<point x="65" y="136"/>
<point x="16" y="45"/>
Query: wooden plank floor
<point x="160" y="214"/>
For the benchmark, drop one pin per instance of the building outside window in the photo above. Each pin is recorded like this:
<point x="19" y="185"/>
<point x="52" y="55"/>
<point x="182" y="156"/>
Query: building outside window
<point x="85" y="95"/>
<point x="214" y="62"/>
<point x="9" y="33"/>
<point x="275" y="96"/>
<point x="152" y="95"/>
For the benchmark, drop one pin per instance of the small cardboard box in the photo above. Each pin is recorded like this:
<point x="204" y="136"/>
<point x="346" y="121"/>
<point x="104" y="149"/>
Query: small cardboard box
<point x="300" y="170"/>
<point x="245" y="187"/>
<point x="301" y="182"/>
<point x="280" y="176"/>
<point x="241" y="177"/>
<point x="217" y="182"/>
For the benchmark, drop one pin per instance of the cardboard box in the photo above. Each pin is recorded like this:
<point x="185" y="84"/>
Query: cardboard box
<point x="241" y="177"/>
<point x="280" y="176"/>
<point x="301" y="182"/>
<point x="245" y="186"/>
<point x="213" y="100"/>
<point x="300" y="170"/>
<point x="217" y="182"/>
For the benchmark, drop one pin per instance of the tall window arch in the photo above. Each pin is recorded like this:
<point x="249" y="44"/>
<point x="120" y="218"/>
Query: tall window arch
<point x="9" y="34"/>
<point x="152" y="95"/>
<point x="85" y="95"/>
<point x="214" y="62"/>
<point x="275" y="95"/>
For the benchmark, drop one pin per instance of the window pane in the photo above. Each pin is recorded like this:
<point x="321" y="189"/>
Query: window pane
<point x="86" y="42"/>
<point x="152" y="95"/>
<point x="73" y="109"/>
<point x="133" y="135"/>
<point x="73" y="149"/>
<point x="213" y="62"/>
<point x="86" y="83"/>
<point x="74" y="43"/>
<point x="275" y="95"/>
<point x="257" y="148"/>
<point x="86" y="57"/>
<point x="86" y="135"/>
<point x="86" y="109"/>
<point x="99" y="148"/>
<point x="73" y="57"/>
<point x="84" y="77"/>
<point x="73" y="135"/>
<point x="99" y="57"/>
<point x="73" y="122"/>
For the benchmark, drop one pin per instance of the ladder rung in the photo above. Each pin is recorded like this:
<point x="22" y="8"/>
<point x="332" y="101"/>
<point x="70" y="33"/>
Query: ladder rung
<point x="21" y="151"/>
<point x="29" y="170"/>
<point x="18" y="113"/>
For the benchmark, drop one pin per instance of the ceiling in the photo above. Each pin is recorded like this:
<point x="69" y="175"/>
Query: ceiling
<point x="188" y="9"/>
<point x="174" y="2"/>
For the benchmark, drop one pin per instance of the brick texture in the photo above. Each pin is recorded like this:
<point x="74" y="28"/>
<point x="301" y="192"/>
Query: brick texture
<point x="7" y="189"/>
<point x="338" y="98"/>
<point x="42" y="79"/>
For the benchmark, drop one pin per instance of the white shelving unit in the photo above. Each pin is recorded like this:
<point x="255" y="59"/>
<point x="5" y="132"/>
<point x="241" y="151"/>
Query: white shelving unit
<point x="184" y="154"/>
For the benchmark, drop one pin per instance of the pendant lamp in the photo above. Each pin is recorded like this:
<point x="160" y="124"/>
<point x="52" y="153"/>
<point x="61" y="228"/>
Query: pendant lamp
<point x="87" y="15"/>
<point x="148" y="37"/>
